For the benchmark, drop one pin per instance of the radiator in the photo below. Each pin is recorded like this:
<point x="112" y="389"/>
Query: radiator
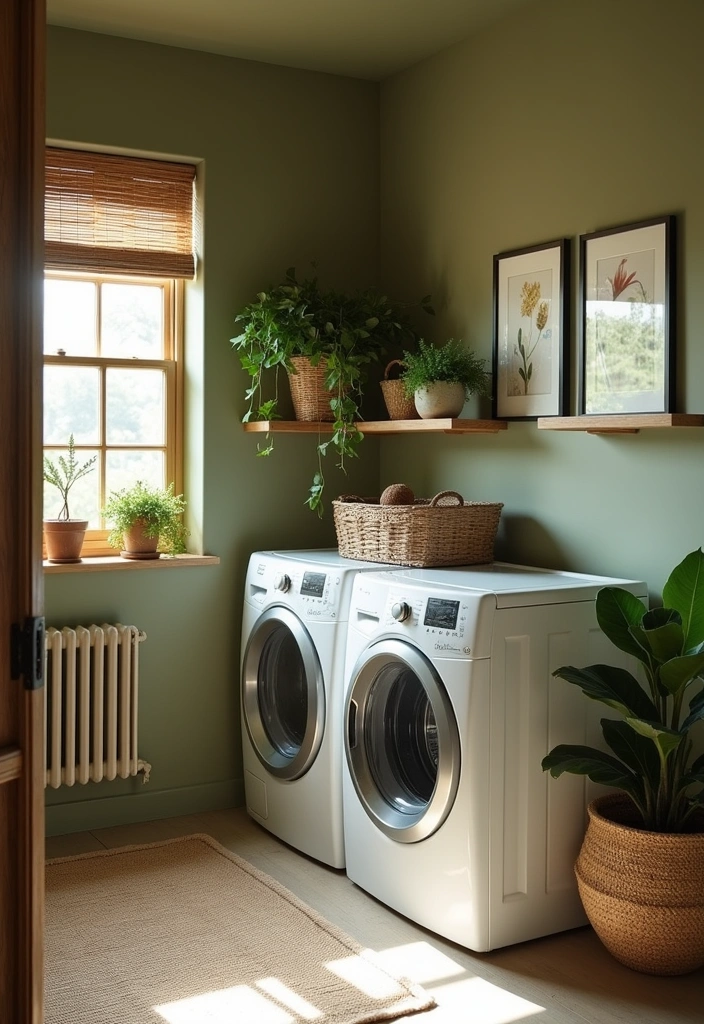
<point x="92" y="676"/>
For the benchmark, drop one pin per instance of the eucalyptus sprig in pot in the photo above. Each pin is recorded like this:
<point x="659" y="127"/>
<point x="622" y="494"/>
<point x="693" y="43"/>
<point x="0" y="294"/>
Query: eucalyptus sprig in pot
<point x="145" y="519"/>
<point x="325" y="340"/>
<point x="441" y="377"/>
<point x="640" y="871"/>
<point x="63" y="536"/>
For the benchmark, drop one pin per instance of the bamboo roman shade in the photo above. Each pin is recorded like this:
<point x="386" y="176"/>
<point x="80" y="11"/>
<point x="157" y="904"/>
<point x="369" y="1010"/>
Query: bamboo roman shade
<point x="114" y="213"/>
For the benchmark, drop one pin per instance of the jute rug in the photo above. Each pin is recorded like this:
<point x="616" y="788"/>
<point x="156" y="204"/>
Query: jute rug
<point x="185" y="932"/>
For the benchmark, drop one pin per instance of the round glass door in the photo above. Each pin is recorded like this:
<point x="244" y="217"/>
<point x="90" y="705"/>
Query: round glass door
<point x="401" y="741"/>
<point x="283" y="695"/>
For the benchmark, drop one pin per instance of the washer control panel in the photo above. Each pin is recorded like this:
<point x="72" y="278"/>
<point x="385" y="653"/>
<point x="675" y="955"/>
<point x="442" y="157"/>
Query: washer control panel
<point x="311" y="593"/>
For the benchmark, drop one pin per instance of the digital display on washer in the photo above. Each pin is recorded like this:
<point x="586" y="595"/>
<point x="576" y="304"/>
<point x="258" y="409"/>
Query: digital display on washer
<point x="313" y="584"/>
<point x="442" y="614"/>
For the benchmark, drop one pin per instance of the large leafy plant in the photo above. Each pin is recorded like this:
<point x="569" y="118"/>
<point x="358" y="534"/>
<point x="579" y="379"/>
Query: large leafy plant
<point x="452" y="362"/>
<point x="344" y="331"/>
<point x="159" y="510"/>
<point x="651" y="747"/>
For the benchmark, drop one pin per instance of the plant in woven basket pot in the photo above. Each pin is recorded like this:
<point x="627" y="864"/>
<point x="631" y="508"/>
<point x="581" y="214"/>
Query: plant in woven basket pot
<point x="145" y="519"/>
<point x="640" y="871"/>
<point x="440" y="378"/>
<point x="324" y="340"/>
<point x="64" y="536"/>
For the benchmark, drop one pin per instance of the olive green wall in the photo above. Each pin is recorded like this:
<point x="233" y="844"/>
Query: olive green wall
<point x="289" y="174"/>
<point x="560" y="119"/>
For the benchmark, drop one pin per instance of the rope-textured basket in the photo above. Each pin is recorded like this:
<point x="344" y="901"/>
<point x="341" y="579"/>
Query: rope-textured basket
<point x="398" y="404"/>
<point x="311" y="400"/>
<point x="643" y="891"/>
<point x="444" y="530"/>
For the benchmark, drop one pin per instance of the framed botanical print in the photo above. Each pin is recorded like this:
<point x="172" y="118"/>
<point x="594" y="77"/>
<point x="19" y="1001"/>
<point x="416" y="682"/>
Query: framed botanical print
<point x="627" y="352"/>
<point x="531" y="345"/>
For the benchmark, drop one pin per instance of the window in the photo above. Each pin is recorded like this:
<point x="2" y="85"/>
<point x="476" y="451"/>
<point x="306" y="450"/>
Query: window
<point x="111" y="378"/>
<point x="119" y="242"/>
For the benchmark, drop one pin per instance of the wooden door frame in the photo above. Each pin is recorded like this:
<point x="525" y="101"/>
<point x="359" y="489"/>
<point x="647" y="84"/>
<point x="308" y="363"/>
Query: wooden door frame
<point x="22" y="141"/>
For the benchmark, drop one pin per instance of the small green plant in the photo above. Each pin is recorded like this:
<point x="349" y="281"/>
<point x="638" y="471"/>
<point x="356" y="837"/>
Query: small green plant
<point x="64" y="473"/>
<point x="345" y="332"/>
<point x="159" y="511"/>
<point x="652" y="743"/>
<point x="452" y="362"/>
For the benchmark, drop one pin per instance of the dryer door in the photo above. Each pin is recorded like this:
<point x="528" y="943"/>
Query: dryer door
<point x="283" y="694"/>
<point x="401" y="741"/>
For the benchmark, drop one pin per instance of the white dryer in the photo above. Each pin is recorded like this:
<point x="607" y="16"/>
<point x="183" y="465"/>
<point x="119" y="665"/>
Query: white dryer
<point x="294" y="628"/>
<point x="450" y="707"/>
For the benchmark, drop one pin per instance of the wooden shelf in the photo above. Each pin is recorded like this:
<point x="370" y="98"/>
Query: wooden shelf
<point x="627" y="423"/>
<point x="441" y="426"/>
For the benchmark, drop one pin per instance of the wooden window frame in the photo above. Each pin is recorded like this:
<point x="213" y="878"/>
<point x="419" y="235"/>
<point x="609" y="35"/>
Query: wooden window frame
<point x="95" y="543"/>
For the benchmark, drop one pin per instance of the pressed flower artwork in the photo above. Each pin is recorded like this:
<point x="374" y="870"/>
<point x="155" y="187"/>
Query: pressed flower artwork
<point x="530" y="332"/>
<point x="626" y="356"/>
<point x="529" y="302"/>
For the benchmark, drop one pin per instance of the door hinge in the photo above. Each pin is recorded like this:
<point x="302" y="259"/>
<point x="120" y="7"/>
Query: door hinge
<point x="27" y="652"/>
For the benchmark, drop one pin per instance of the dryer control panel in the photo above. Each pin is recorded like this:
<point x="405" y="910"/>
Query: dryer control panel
<point x="447" y="622"/>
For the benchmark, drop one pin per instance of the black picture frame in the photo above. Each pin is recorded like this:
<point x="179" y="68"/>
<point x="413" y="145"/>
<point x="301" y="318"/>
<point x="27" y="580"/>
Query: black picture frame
<point x="627" y="319"/>
<point x="531" y="294"/>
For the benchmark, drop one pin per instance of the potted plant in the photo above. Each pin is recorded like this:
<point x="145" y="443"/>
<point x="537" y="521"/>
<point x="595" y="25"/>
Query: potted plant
<point x="145" y="518"/>
<point x="641" y="865"/>
<point x="441" y="378"/>
<point x="324" y="340"/>
<point x="64" y="536"/>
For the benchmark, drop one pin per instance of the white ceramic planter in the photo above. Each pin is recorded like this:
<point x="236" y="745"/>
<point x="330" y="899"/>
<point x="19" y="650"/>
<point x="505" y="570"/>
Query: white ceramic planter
<point x="440" y="400"/>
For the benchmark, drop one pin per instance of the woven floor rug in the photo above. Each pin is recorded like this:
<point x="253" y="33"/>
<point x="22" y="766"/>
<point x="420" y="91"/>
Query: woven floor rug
<point x="185" y="932"/>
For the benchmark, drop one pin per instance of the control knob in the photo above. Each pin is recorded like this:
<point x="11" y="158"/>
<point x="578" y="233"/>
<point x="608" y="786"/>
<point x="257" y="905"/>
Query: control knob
<point x="400" y="611"/>
<point x="282" y="582"/>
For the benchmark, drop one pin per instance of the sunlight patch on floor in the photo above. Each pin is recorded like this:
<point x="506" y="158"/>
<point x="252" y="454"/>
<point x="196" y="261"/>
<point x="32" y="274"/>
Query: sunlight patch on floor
<point x="479" y="1001"/>
<point x="223" y="1007"/>
<point x="362" y="972"/>
<point x="285" y="995"/>
<point x="419" y="962"/>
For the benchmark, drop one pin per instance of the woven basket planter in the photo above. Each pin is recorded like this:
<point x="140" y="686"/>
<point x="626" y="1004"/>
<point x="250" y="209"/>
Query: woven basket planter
<point x="444" y="530"/>
<point x="311" y="400"/>
<point x="643" y="892"/>
<point x="398" y="404"/>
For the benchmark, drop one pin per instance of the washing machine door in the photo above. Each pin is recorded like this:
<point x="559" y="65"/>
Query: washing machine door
<point x="283" y="694"/>
<point x="401" y="741"/>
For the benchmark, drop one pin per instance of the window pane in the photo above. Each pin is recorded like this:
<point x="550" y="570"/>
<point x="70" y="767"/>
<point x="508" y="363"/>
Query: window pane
<point x="69" y="317"/>
<point x="132" y="321"/>
<point x="83" y="497"/>
<point x="71" y="404"/>
<point x="123" y="469"/>
<point x="135" y="406"/>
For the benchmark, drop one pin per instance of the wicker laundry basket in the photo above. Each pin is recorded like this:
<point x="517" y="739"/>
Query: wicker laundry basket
<point x="398" y="404"/>
<point x="444" y="530"/>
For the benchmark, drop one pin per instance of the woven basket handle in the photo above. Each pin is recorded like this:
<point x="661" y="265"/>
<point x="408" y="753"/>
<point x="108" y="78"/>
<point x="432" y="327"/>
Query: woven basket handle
<point x="446" y="494"/>
<point x="394" y="362"/>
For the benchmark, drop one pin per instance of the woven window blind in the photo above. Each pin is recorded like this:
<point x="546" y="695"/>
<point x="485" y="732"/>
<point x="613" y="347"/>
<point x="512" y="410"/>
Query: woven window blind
<point x="115" y="213"/>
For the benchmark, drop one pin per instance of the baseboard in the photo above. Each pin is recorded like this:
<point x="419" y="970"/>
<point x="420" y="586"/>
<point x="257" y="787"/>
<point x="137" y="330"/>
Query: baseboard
<point x="84" y="815"/>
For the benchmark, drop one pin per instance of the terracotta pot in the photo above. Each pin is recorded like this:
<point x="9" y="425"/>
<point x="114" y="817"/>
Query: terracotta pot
<point x="64" y="539"/>
<point x="137" y="544"/>
<point x="439" y="400"/>
<point x="642" y="891"/>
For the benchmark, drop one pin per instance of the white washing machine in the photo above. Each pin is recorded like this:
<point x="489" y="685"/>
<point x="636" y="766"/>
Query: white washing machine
<point x="294" y="627"/>
<point x="450" y="707"/>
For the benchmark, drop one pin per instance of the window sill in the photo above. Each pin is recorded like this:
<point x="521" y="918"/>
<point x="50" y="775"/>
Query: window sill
<point x="111" y="563"/>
